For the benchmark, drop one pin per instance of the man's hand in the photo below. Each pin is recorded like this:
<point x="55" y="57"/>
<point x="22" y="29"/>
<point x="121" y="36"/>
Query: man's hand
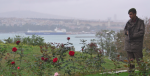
<point x="127" y="32"/>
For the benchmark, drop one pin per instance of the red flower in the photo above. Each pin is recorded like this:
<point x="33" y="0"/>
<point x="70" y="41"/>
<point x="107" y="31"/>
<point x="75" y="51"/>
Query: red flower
<point x="55" y="60"/>
<point x="40" y="47"/>
<point x="68" y="38"/>
<point x="13" y="62"/>
<point x="53" y="47"/>
<point x="18" y="68"/>
<point x="71" y="53"/>
<point x="7" y="53"/>
<point x="92" y="45"/>
<point x="82" y="49"/>
<point x="14" y="49"/>
<point x="100" y="51"/>
<point x="45" y="59"/>
<point x="42" y="58"/>
<point x="17" y="42"/>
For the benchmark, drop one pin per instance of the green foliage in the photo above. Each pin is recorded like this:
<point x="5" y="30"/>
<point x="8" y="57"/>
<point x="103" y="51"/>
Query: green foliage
<point x="107" y="42"/>
<point x="33" y="65"/>
<point x="34" y="40"/>
<point x="1" y="41"/>
<point x="31" y="51"/>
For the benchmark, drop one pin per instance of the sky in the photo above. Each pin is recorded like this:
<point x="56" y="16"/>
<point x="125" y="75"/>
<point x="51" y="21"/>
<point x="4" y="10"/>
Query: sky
<point x="83" y="9"/>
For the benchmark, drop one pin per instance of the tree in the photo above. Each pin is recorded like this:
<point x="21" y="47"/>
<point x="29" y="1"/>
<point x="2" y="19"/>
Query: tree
<point x="120" y="41"/>
<point x="107" y="42"/>
<point x="147" y="35"/>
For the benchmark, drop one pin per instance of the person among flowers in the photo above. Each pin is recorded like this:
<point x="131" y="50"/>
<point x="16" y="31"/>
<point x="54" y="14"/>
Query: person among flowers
<point x="134" y="35"/>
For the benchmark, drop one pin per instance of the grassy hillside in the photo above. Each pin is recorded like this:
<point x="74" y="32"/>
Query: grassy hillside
<point x="31" y="55"/>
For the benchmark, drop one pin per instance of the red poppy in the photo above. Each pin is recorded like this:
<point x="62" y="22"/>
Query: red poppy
<point x="71" y="53"/>
<point x="14" y="49"/>
<point x="17" y="42"/>
<point x="18" y="68"/>
<point x="55" y="60"/>
<point x="13" y="62"/>
<point x="42" y="58"/>
<point x="68" y="38"/>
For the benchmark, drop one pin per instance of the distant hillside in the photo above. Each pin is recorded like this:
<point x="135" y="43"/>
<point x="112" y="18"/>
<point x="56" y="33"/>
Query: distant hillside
<point x="31" y="14"/>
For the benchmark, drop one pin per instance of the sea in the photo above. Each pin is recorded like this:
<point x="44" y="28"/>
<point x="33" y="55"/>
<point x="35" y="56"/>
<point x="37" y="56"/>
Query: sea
<point x="55" y="38"/>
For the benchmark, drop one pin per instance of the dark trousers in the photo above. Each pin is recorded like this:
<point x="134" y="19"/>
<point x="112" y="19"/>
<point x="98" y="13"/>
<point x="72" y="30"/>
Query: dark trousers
<point x="134" y="56"/>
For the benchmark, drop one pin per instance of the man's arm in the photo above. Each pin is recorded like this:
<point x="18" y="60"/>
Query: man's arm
<point x="125" y="30"/>
<point x="141" y="31"/>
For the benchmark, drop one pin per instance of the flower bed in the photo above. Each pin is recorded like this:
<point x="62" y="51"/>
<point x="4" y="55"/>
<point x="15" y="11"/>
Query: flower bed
<point x="47" y="59"/>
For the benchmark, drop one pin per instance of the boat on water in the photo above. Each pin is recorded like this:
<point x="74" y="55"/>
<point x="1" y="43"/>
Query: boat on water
<point x="56" y="31"/>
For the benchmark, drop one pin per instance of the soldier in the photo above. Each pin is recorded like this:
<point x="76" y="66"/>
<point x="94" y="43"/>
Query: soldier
<point x="134" y="31"/>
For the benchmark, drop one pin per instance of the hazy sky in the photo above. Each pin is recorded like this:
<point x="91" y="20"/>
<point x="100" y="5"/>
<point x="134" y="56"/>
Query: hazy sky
<point x="85" y="9"/>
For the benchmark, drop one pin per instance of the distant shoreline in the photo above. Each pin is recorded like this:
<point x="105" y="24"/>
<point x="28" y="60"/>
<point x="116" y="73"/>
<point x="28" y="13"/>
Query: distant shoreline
<point x="66" y="34"/>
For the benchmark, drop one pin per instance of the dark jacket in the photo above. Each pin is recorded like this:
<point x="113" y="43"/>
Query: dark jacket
<point x="134" y="39"/>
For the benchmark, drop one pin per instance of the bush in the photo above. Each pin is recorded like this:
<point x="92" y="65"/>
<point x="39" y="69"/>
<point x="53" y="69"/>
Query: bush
<point x="1" y="41"/>
<point x="51" y="57"/>
<point x="34" y="40"/>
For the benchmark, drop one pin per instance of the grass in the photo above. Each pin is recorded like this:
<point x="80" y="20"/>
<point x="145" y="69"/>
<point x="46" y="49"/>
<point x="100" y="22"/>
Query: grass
<point x="30" y="51"/>
<point x="118" y="74"/>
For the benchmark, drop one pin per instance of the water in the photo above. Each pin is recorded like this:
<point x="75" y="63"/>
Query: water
<point x="54" y="38"/>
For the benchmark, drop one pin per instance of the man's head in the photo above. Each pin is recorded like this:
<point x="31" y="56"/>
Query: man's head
<point x="132" y="13"/>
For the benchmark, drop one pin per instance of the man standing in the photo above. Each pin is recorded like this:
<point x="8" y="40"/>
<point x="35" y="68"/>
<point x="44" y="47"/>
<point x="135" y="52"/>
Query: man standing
<point x="134" y="31"/>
